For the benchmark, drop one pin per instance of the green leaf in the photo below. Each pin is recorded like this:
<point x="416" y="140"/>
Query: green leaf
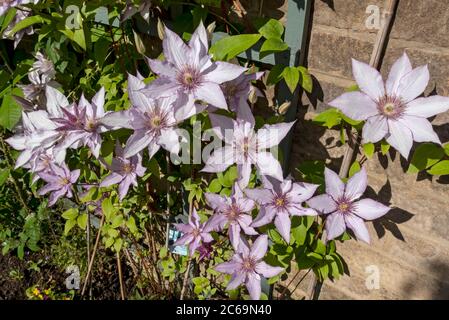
<point x="27" y="22"/>
<point x="108" y="208"/>
<point x="82" y="220"/>
<point x="355" y="167"/>
<point x="7" y="19"/>
<point x="215" y="186"/>
<point x="441" y="168"/>
<point x="275" y="74"/>
<point x="291" y="77"/>
<point x="306" y="80"/>
<point x="272" y="45"/>
<point x="70" y="214"/>
<point x="4" y="175"/>
<point x="69" y="224"/>
<point x="384" y="147"/>
<point x="328" y="118"/>
<point x="10" y="111"/>
<point x="272" y="29"/>
<point x="229" y="47"/>
<point x="425" y="156"/>
<point x="446" y="149"/>
<point x="299" y="233"/>
<point x="368" y="149"/>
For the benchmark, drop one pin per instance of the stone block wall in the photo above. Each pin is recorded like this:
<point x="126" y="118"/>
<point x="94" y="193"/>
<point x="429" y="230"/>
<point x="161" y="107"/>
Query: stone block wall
<point x="410" y="246"/>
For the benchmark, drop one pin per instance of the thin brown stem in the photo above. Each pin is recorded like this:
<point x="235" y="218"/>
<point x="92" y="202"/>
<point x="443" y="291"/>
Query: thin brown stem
<point x="120" y="276"/>
<point x="91" y="262"/>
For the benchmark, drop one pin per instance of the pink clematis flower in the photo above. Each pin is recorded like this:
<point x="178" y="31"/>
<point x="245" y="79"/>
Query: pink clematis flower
<point x="59" y="182"/>
<point x="80" y="124"/>
<point x="7" y="4"/>
<point x="393" y="111"/>
<point x="237" y="92"/>
<point x="124" y="171"/>
<point x="234" y="211"/>
<point x="280" y="200"/>
<point x="344" y="210"/>
<point x="38" y="132"/>
<point x="153" y="121"/>
<point x="189" y="74"/>
<point x="247" y="266"/>
<point x="245" y="147"/>
<point x="195" y="233"/>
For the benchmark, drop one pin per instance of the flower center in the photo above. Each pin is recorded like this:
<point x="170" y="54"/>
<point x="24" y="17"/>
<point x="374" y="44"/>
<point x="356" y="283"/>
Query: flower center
<point x="344" y="205"/>
<point x="155" y="122"/>
<point x="233" y="213"/>
<point x="90" y="125"/>
<point x="189" y="78"/>
<point x="127" y="168"/>
<point x="248" y="264"/>
<point x="196" y="232"/>
<point x="64" y="181"/>
<point x="391" y="107"/>
<point x="280" y="201"/>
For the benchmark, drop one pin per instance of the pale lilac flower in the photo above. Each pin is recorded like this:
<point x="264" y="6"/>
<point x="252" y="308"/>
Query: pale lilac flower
<point x="393" y="111"/>
<point x="17" y="37"/>
<point x="247" y="266"/>
<point x="195" y="233"/>
<point x="80" y="123"/>
<point x="35" y="92"/>
<point x="7" y="4"/>
<point x="124" y="171"/>
<point x="153" y="122"/>
<point x="189" y="74"/>
<point x="343" y="209"/>
<point x="237" y="92"/>
<point x="245" y="147"/>
<point x="233" y="211"/>
<point x="42" y="159"/>
<point x="38" y="132"/>
<point x="44" y="66"/>
<point x="59" y="182"/>
<point x="205" y="250"/>
<point x="280" y="200"/>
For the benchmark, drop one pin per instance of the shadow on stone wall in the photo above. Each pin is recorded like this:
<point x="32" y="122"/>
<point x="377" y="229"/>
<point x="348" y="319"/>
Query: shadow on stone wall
<point x="439" y="291"/>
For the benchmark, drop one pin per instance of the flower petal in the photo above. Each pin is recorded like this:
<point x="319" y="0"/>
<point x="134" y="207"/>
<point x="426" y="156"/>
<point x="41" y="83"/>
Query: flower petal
<point x="271" y="135"/>
<point x="221" y="72"/>
<point x="369" y="209"/>
<point x="268" y="271"/>
<point x="227" y="267"/>
<point x="283" y="225"/>
<point x="368" y="79"/>
<point x="211" y="93"/>
<point x="236" y="279"/>
<point x="400" y="68"/>
<point x="375" y="129"/>
<point x="413" y="84"/>
<point x="219" y="160"/>
<point x="400" y="137"/>
<point x="427" y="107"/>
<point x="137" y="142"/>
<point x="357" y="226"/>
<point x="169" y="140"/>
<point x="334" y="186"/>
<point x="265" y="216"/>
<point x="111" y="179"/>
<point x="355" y="105"/>
<point x="268" y="165"/>
<point x="175" y="50"/>
<point x="335" y="225"/>
<point x="259" y="247"/>
<point x="356" y="185"/>
<point x="322" y="203"/>
<point x="421" y="128"/>
<point x="253" y="286"/>
<point x="261" y="196"/>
